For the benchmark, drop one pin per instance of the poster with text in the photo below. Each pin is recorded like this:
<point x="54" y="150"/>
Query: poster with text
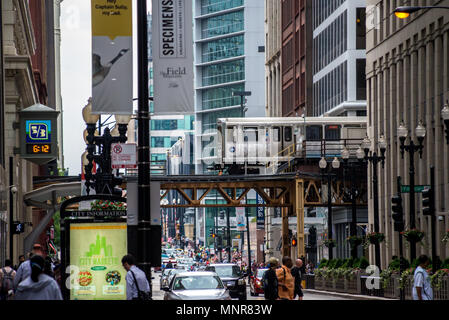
<point x="96" y="251"/>
<point x="112" y="57"/>
<point x="173" y="57"/>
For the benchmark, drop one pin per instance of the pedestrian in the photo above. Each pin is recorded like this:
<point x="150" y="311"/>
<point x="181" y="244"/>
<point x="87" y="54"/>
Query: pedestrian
<point x="137" y="286"/>
<point x="21" y="260"/>
<point x="7" y="274"/>
<point x="38" y="286"/>
<point x="422" y="289"/>
<point x="169" y="265"/>
<point x="286" y="282"/>
<point x="297" y="274"/>
<point x="24" y="270"/>
<point x="270" y="280"/>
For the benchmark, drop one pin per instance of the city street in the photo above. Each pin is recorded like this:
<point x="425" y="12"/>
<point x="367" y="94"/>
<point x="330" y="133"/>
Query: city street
<point x="159" y="294"/>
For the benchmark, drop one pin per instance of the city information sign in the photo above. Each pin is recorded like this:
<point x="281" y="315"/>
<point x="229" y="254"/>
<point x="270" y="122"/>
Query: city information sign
<point x="96" y="249"/>
<point x="418" y="189"/>
<point x="38" y="134"/>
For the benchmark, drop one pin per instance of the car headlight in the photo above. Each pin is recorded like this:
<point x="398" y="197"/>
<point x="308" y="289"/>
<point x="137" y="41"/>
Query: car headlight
<point x="241" y="282"/>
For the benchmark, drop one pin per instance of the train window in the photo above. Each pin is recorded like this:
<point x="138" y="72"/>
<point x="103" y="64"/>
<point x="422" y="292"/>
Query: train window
<point x="276" y="134"/>
<point x="313" y="133"/>
<point x="288" y="134"/>
<point x="251" y="135"/>
<point x="332" y="132"/>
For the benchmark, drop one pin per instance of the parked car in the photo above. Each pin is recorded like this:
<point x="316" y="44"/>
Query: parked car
<point x="255" y="282"/>
<point x="196" y="286"/>
<point x="232" y="277"/>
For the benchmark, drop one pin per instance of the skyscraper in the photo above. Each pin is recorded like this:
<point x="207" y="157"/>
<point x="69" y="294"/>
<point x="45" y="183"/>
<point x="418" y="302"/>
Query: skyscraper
<point x="339" y="58"/>
<point x="229" y="53"/>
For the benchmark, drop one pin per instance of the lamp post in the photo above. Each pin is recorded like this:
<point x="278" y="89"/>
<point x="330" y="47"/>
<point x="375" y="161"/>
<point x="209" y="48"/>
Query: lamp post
<point x="404" y="12"/>
<point x="412" y="148"/>
<point x="242" y="94"/>
<point x="103" y="181"/>
<point x="445" y="117"/>
<point x="374" y="159"/>
<point x="351" y="165"/>
<point x="323" y="165"/>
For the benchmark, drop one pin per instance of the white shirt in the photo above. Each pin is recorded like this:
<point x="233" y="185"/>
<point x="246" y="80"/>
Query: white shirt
<point x="422" y="279"/>
<point x="131" y="288"/>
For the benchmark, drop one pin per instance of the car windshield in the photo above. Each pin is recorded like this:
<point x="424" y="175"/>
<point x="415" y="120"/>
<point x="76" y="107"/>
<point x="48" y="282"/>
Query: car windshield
<point x="261" y="272"/>
<point x="197" y="283"/>
<point x="166" y="271"/>
<point x="226" y="271"/>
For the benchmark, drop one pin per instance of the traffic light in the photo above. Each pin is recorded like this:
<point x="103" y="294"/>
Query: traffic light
<point x="294" y="242"/>
<point x="397" y="215"/>
<point x="211" y="233"/>
<point x="428" y="202"/>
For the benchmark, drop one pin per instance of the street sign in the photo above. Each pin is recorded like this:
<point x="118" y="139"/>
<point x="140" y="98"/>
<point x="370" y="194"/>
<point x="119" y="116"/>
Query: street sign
<point x="418" y="189"/>
<point x="123" y="156"/>
<point x="18" y="227"/>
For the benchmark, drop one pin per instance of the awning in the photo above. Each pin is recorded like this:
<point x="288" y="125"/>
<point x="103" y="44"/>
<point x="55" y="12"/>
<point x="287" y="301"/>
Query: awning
<point x="40" y="198"/>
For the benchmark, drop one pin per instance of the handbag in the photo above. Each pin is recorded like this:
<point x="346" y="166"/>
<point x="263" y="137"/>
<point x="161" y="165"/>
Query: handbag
<point x="141" y="295"/>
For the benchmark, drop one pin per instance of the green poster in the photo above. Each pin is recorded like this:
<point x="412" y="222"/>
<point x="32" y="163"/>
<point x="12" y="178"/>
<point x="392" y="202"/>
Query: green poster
<point x="96" y="251"/>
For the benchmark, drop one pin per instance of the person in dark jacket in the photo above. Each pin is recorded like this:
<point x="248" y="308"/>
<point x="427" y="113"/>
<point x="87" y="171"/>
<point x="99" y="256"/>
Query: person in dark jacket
<point x="270" y="280"/>
<point x="38" y="286"/>
<point x="297" y="274"/>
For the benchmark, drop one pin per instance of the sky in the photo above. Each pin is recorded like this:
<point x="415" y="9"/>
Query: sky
<point x="76" y="74"/>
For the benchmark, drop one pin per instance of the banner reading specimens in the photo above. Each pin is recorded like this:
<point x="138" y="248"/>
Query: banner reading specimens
<point x="112" y="63"/>
<point x="96" y="251"/>
<point x="173" y="57"/>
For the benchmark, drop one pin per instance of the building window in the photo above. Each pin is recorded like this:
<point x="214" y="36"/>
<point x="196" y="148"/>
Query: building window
<point x="224" y="24"/>
<point x="221" y="97"/>
<point x="361" y="79"/>
<point x="224" y="72"/>
<point x="361" y="29"/>
<point x="223" y="49"/>
<point x="166" y="125"/>
<point x="211" y="6"/>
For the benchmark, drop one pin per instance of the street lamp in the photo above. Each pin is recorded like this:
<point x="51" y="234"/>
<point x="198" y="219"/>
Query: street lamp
<point x="404" y="12"/>
<point x="103" y="181"/>
<point x="352" y="165"/>
<point x="445" y="117"/>
<point x="323" y="165"/>
<point x="242" y="94"/>
<point x="374" y="159"/>
<point x="411" y="148"/>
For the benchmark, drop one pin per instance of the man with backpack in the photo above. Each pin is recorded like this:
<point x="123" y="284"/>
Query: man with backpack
<point x="137" y="286"/>
<point x="270" y="280"/>
<point x="7" y="275"/>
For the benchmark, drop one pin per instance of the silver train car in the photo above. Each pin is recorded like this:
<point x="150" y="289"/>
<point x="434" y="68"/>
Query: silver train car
<point x="259" y="142"/>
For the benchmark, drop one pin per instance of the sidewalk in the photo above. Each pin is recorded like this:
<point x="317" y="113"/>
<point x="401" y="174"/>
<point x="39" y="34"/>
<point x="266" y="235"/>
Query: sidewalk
<point x="347" y="295"/>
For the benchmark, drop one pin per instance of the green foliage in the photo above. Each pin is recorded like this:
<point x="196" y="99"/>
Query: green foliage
<point x="445" y="264"/>
<point x="395" y="263"/>
<point x="323" y="263"/>
<point x="349" y="263"/>
<point x="57" y="225"/>
<point x="361" y="263"/>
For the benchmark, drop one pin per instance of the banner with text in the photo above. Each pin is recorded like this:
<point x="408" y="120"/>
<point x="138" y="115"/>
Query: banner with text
<point x="112" y="57"/>
<point x="260" y="214"/>
<point x="173" y="57"/>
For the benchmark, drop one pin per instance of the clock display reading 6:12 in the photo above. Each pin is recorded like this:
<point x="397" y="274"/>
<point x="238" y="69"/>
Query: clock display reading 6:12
<point x="38" y="148"/>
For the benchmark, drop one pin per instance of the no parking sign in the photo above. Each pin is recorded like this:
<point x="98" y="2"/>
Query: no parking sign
<point x="123" y="155"/>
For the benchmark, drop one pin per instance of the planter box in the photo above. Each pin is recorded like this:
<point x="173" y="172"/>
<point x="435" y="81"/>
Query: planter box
<point x="352" y="286"/>
<point x="391" y="290"/>
<point x="329" y="284"/>
<point x="442" y="293"/>
<point x="310" y="281"/>
<point x="319" y="283"/>
<point x="340" y="285"/>
<point x="408" y="289"/>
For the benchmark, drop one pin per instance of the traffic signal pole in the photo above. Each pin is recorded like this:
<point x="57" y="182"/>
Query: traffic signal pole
<point x="400" y="227"/>
<point x="428" y="204"/>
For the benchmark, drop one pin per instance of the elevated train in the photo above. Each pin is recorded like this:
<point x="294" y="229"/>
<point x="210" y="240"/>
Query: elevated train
<point x="256" y="143"/>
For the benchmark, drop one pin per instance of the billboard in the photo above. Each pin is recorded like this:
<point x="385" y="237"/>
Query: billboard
<point x="173" y="57"/>
<point x="112" y="63"/>
<point x="96" y="251"/>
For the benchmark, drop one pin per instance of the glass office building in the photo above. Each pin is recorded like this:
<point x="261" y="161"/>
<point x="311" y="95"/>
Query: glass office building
<point x="228" y="56"/>
<point x="339" y="57"/>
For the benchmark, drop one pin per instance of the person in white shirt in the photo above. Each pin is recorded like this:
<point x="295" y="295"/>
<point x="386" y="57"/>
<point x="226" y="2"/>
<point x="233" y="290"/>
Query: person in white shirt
<point x="422" y="289"/>
<point x="134" y="275"/>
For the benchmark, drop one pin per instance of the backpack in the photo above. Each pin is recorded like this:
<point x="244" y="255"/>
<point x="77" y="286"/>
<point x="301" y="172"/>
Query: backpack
<point x="7" y="281"/>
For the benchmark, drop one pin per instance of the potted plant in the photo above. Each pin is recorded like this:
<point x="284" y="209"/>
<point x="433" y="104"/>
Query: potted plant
<point x="437" y="279"/>
<point x="330" y="243"/>
<point x="413" y="235"/>
<point x="375" y="237"/>
<point x="354" y="241"/>
<point x="98" y="205"/>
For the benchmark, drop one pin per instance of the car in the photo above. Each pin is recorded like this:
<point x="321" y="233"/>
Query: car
<point x="233" y="278"/>
<point x="255" y="282"/>
<point x="196" y="286"/>
<point x="172" y="273"/>
<point x="164" y="278"/>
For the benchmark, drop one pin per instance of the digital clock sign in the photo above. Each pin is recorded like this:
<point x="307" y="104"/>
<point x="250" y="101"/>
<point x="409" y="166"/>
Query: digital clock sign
<point x="38" y="148"/>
